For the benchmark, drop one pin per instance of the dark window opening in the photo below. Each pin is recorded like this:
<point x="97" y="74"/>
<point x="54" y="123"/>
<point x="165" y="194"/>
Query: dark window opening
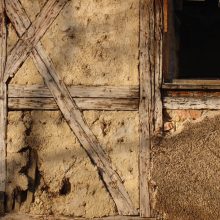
<point x="192" y="42"/>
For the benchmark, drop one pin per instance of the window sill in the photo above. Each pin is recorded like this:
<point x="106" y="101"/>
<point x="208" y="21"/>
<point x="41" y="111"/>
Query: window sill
<point x="192" y="94"/>
<point x="191" y="84"/>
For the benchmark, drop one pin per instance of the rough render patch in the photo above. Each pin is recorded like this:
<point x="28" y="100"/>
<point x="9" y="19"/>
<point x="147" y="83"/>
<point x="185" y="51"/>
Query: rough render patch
<point x="67" y="182"/>
<point x="91" y="43"/>
<point x="186" y="172"/>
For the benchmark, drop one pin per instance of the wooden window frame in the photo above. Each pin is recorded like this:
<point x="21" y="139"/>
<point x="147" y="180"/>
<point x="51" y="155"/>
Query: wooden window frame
<point x="192" y="94"/>
<point x="168" y="35"/>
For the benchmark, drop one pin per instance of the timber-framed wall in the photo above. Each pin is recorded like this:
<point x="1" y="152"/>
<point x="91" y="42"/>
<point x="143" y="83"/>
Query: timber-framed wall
<point x="72" y="100"/>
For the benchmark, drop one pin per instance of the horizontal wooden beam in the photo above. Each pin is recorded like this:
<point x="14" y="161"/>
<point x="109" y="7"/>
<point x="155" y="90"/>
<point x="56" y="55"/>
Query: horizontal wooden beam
<point x="38" y="97"/>
<point x="123" y="98"/>
<point x="197" y="103"/>
<point x="32" y="217"/>
<point x="189" y="95"/>
<point x="37" y="91"/>
<point x="114" y="104"/>
<point x="109" y="104"/>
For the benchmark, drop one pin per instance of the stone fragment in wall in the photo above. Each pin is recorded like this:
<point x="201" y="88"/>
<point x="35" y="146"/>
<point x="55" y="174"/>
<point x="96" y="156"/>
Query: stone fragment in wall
<point x="169" y="126"/>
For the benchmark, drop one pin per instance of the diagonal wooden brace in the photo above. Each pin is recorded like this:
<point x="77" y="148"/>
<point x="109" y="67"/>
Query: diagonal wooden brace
<point x="32" y="35"/>
<point x="72" y="114"/>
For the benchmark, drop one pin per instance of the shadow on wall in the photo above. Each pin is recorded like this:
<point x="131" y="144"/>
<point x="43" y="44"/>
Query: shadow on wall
<point x="64" y="173"/>
<point x="186" y="172"/>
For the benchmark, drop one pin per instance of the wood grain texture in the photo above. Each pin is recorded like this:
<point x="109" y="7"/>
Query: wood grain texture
<point x="73" y="115"/>
<point x="34" y="91"/>
<point x="145" y="103"/>
<point x="157" y="76"/>
<point x="211" y="103"/>
<point x="110" y="104"/>
<point x="31" y="37"/>
<point x="3" y="104"/>
<point x="150" y="108"/>
<point x="109" y="98"/>
<point x="100" y="104"/>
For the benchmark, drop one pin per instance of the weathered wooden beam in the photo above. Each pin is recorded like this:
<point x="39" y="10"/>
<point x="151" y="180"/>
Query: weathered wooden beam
<point x="150" y="108"/>
<point x="107" y="104"/>
<point x="102" y="104"/>
<point x="31" y="37"/>
<point x="41" y="91"/>
<point x="39" y="97"/>
<point x="30" y="217"/>
<point x="145" y="102"/>
<point x="3" y="105"/>
<point x="158" y="57"/>
<point x="197" y="103"/>
<point x="73" y="115"/>
<point x="191" y="99"/>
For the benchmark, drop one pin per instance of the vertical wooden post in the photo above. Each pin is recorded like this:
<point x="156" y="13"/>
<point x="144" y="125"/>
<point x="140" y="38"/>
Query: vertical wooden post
<point x="150" y="109"/>
<point x="3" y="108"/>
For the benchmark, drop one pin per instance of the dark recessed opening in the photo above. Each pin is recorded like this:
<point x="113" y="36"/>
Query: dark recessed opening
<point x="193" y="40"/>
<point x="66" y="187"/>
